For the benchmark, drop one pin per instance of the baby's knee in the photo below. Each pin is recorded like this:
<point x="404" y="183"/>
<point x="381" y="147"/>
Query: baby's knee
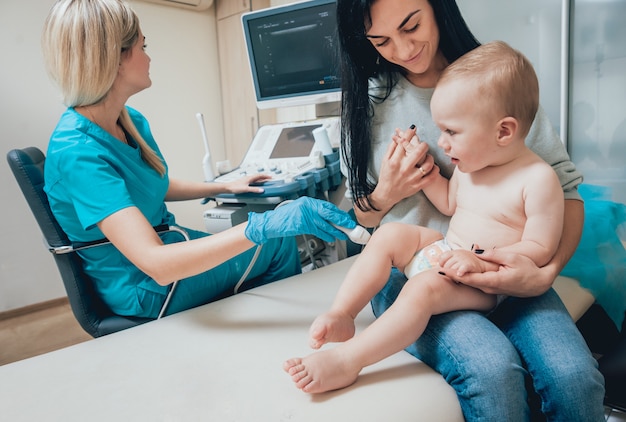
<point x="389" y="231"/>
<point x="425" y="297"/>
<point x="415" y="290"/>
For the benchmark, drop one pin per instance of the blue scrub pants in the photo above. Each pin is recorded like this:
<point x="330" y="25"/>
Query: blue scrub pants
<point x="277" y="259"/>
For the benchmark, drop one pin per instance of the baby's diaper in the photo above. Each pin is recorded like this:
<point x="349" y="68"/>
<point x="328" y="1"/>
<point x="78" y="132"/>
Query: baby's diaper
<point x="426" y="258"/>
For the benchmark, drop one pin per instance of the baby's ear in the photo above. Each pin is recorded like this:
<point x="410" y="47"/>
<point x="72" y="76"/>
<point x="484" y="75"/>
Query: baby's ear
<point x="507" y="128"/>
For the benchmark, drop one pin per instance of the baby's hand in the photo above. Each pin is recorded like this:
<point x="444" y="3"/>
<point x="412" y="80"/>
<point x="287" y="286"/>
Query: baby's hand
<point x="408" y="139"/>
<point x="460" y="262"/>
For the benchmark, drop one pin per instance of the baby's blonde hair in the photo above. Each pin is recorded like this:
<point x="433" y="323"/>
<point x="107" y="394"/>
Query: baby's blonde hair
<point x="83" y="42"/>
<point x="506" y="78"/>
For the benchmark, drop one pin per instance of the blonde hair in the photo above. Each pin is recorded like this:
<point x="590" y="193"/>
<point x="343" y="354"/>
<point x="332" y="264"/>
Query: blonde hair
<point x="83" y="42"/>
<point x="506" y="79"/>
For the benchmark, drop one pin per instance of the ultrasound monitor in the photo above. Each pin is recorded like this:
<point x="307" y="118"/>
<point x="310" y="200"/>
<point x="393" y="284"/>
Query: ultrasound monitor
<point x="293" y="54"/>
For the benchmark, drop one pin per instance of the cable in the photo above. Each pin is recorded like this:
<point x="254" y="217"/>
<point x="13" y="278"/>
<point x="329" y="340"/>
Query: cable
<point x="307" y="247"/>
<point x="309" y="251"/>
<point x="254" y="257"/>
<point x="245" y="274"/>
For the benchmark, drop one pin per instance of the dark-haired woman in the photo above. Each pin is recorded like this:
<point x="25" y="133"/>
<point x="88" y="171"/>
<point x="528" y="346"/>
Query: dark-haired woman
<point x="526" y="360"/>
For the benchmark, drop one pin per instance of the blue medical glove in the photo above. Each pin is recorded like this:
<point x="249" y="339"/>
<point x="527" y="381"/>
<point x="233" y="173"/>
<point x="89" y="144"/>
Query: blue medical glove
<point x="303" y="216"/>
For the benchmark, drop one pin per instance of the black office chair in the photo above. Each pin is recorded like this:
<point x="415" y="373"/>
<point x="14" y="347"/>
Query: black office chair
<point x="613" y="367"/>
<point x="92" y="313"/>
<point x="608" y="342"/>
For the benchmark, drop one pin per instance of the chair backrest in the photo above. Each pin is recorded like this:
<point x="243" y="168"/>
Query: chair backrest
<point x="91" y="312"/>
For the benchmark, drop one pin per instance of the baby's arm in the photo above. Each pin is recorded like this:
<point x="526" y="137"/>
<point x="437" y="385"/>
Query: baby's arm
<point x="544" y="209"/>
<point x="441" y="192"/>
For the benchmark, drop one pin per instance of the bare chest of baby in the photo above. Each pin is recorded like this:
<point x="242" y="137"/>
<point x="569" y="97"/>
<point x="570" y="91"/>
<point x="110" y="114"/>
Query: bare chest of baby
<point x="488" y="215"/>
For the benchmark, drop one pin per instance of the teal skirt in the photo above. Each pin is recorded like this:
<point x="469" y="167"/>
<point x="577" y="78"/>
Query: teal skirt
<point x="599" y="263"/>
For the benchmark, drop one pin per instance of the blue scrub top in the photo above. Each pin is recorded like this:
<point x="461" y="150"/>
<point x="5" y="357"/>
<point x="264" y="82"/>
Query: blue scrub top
<point x="90" y="175"/>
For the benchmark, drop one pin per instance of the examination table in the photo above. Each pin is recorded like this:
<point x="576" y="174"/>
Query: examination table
<point x="223" y="362"/>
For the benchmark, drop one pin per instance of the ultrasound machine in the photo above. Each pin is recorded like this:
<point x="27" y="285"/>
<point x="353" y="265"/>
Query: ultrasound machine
<point x="293" y="56"/>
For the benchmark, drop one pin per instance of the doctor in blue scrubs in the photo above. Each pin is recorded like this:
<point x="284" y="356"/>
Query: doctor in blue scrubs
<point x="105" y="177"/>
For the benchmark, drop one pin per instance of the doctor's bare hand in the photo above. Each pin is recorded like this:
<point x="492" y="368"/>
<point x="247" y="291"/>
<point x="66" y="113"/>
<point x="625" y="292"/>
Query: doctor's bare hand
<point x="247" y="184"/>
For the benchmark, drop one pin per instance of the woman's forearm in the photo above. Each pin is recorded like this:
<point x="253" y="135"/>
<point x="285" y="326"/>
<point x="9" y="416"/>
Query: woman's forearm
<point x="183" y="190"/>
<point x="573" y="220"/>
<point x="373" y="217"/>
<point x="180" y="260"/>
<point x="133" y="236"/>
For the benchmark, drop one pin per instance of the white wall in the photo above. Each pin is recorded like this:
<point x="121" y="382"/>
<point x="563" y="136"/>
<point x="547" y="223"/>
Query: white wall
<point x="531" y="26"/>
<point x="185" y="76"/>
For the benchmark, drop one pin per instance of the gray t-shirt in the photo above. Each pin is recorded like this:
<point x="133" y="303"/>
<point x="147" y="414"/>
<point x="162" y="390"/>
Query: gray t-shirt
<point x="407" y="105"/>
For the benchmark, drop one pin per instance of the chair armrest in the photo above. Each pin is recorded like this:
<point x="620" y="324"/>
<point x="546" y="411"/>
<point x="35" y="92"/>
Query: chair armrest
<point x="77" y="246"/>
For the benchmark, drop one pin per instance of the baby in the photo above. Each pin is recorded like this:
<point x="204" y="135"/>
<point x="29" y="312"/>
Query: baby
<point x="501" y="195"/>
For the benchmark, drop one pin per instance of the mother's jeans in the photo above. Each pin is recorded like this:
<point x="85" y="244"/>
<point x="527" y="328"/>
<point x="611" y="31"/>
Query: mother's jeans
<point x="524" y="361"/>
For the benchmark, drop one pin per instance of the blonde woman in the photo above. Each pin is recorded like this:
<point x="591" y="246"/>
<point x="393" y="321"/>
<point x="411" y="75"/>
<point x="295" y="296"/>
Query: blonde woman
<point x="105" y="177"/>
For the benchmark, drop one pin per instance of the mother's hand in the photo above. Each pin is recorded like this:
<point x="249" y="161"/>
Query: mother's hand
<point x="406" y="168"/>
<point x="517" y="275"/>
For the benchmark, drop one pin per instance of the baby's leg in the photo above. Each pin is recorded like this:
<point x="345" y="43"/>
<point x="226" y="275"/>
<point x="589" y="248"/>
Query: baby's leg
<point x="424" y="295"/>
<point x="392" y="244"/>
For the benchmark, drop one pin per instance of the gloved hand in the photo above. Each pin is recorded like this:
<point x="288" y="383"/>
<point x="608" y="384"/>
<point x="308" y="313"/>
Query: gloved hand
<point x="303" y="216"/>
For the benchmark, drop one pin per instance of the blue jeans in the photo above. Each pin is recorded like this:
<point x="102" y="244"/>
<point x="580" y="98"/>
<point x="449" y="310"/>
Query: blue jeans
<point x="524" y="361"/>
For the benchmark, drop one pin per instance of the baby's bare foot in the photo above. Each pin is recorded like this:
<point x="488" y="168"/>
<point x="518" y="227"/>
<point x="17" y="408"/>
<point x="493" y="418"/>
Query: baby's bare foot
<point x="322" y="371"/>
<point x="331" y="327"/>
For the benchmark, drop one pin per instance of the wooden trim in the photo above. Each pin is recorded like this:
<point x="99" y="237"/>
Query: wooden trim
<point x="36" y="307"/>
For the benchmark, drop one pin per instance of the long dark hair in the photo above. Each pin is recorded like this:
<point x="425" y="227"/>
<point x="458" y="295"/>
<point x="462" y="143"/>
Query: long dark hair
<point x="360" y="61"/>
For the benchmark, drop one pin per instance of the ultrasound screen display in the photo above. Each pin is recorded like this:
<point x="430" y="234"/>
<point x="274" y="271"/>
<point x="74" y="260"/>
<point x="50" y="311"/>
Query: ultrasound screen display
<point x="294" y="52"/>
<point x="294" y="142"/>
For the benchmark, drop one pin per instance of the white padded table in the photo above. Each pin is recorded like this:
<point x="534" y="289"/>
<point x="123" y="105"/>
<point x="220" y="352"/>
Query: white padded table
<point x="220" y="362"/>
